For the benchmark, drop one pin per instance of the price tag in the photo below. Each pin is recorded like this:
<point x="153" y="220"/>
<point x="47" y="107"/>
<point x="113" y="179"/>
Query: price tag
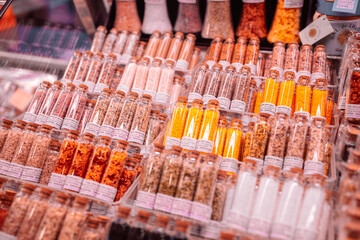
<point x="315" y="31"/>
<point x="346" y="6"/>
<point x="293" y="3"/>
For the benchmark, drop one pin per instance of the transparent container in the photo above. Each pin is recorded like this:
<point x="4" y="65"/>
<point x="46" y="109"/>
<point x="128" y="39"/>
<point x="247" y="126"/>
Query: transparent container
<point x="260" y="65"/>
<point x="138" y="225"/>
<point x="83" y="68"/>
<point x="127" y="177"/>
<point x="268" y="60"/>
<point x="169" y="179"/>
<point x="52" y="221"/>
<point x="141" y="120"/>
<point x="259" y="96"/>
<point x="198" y="83"/>
<point x="192" y="126"/>
<point x="126" y="117"/>
<point x="36" y="102"/>
<point x="181" y="229"/>
<point x="128" y="76"/>
<point x="252" y="23"/>
<point x="318" y="64"/>
<point x="187" y="48"/>
<point x="286" y="24"/>
<point x="86" y="116"/>
<point x="330" y="104"/>
<point x="319" y="99"/>
<point x="175" y="47"/>
<point x="120" y="226"/>
<point x="252" y="54"/>
<point x="153" y="128"/>
<point x="51" y="159"/>
<point x="127" y="17"/>
<point x="251" y="97"/>
<point x="205" y="142"/>
<point x="220" y="195"/>
<point x="61" y="106"/>
<point x="152" y="45"/>
<point x="213" y="83"/>
<point x="165" y="84"/>
<point x="94" y="71"/>
<point x="159" y="230"/>
<point x="5" y="128"/>
<point x="226" y="87"/>
<point x="141" y="76"/>
<point x="217" y="19"/>
<point x="227" y="52"/>
<point x="72" y="67"/>
<point x="177" y="90"/>
<point x="6" y="200"/>
<point x="98" y="39"/>
<point x="116" y="78"/>
<point x="91" y="230"/>
<point x="140" y="50"/>
<point x="156" y="17"/>
<point x="188" y="18"/>
<point x="112" y="114"/>
<point x="130" y="47"/>
<point x="109" y="41"/>
<point x="186" y="187"/>
<point x="213" y="52"/>
<point x="220" y="136"/>
<point x="241" y="90"/>
<point x="303" y="97"/>
<point x="194" y="61"/>
<point x="305" y="61"/>
<point x="153" y="78"/>
<point x="48" y="103"/>
<point x="77" y="169"/>
<point x="107" y="71"/>
<point x="120" y="42"/>
<point x="96" y="167"/>
<point x="99" y="113"/>
<point x="238" y="58"/>
<point x="164" y="45"/>
<point x="352" y="100"/>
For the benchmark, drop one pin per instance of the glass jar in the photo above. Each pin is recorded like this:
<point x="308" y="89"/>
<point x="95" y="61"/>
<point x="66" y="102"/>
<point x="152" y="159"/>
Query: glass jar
<point x="213" y="83"/>
<point x="90" y="231"/>
<point x="112" y="114"/>
<point x="169" y="179"/>
<point x="74" y="220"/>
<point x="318" y="64"/>
<point x="106" y="73"/>
<point x="347" y="188"/>
<point x="213" y="52"/>
<point x="305" y="61"/>
<point x="109" y="41"/>
<point x="220" y="195"/>
<point x="248" y="139"/>
<point x="51" y="223"/>
<point x="231" y="153"/>
<point x="98" y="39"/>
<point x="187" y="49"/>
<point x="141" y="76"/>
<point x="5" y="128"/>
<point x="259" y="96"/>
<point x="140" y="50"/>
<point x="164" y="45"/>
<point x="18" y="210"/>
<point x="83" y="68"/>
<point x="116" y="78"/>
<point x="99" y="113"/>
<point x="160" y="229"/>
<point x="188" y="18"/>
<point x="72" y="67"/>
<point x="153" y="78"/>
<point x="177" y="89"/>
<point x="286" y="23"/>
<point x="22" y="151"/>
<point x="303" y="97"/>
<point x="352" y="100"/>
<point x="127" y="17"/>
<point x="205" y="142"/>
<point x="227" y="52"/>
<point x="241" y="89"/>
<point x="177" y="123"/>
<point x="130" y="47"/>
<point x="204" y="193"/>
<point x="238" y="58"/>
<point x="226" y="87"/>
<point x="61" y="106"/>
<point x="156" y="17"/>
<point x="79" y="163"/>
<point x="318" y="99"/>
<point x="175" y="47"/>
<point x="34" y="214"/>
<point x="220" y="136"/>
<point x="217" y="19"/>
<point x="330" y="104"/>
<point x="48" y="103"/>
<point x="6" y="201"/>
<point x="252" y="23"/>
<point x="153" y="129"/>
<point x="120" y="226"/>
<point x="86" y="116"/>
<point x="152" y="45"/>
<point x="137" y="227"/>
<point x="251" y="98"/>
<point x="165" y="84"/>
<point x="51" y="159"/>
<point x="36" y="158"/>
<point x="96" y="167"/>
<point x="36" y="102"/>
<point x="296" y="143"/>
<point x="181" y="229"/>
<point x="198" y="83"/>
<point x="141" y="120"/>
<point x="192" y="126"/>
<point x="112" y="173"/>
<point x="186" y="187"/>
<point x="94" y="71"/>
<point x="194" y="61"/>
<point x="127" y="177"/>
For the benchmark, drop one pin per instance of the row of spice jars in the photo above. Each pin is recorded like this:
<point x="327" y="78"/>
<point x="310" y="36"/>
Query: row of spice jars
<point x="41" y="214"/>
<point x="128" y="118"/>
<point x="265" y="206"/>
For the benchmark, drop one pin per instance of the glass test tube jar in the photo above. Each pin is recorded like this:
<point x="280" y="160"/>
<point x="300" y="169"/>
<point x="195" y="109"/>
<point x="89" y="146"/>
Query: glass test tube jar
<point x="127" y="177"/>
<point x="153" y="78"/>
<point x="72" y="67"/>
<point x="197" y="87"/>
<point x="164" y="45"/>
<point x="241" y="90"/>
<point x="185" y="53"/>
<point x="226" y="87"/>
<point x="94" y="71"/>
<point x="51" y="159"/>
<point x="156" y="17"/>
<point x="5" y="127"/>
<point x="99" y="39"/>
<point x="352" y="99"/>
<point x="152" y="45"/>
<point x="213" y="83"/>
<point x="165" y="83"/>
<point x="109" y="41"/>
<point x="175" y="47"/>
<point x="85" y="118"/>
<point x="120" y="43"/>
<point x="153" y="129"/>
<point x="36" y="102"/>
<point x="130" y="47"/>
<point x="128" y="76"/>
<point x="318" y="64"/>
<point x="252" y="54"/>
<point x="83" y="68"/>
<point x="177" y="89"/>
<point x="238" y="58"/>
<point x="220" y="136"/>
<point x="106" y="73"/>
<point x="319" y="99"/>
<point x="214" y="51"/>
<point x="141" y="75"/>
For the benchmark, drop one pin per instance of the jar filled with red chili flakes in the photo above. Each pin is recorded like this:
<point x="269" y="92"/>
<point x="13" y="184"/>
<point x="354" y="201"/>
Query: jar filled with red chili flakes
<point x="111" y="177"/>
<point x="127" y="177"/>
<point x="140" y="161"/>
<point x="67" y="152"/>
<point x="96" y="167"/>
<point x="79" y="164"/>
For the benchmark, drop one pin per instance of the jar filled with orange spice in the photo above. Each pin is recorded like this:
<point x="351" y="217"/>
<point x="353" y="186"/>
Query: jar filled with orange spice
<point x="220" y="136"/>
<point x="127" y="177"/>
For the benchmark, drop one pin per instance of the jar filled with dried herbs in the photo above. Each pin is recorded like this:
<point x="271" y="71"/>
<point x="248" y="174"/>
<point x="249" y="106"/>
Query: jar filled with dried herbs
<point x="213" y="83"/>
<point x="352" y="99"/>
<point x="227" y="83"/>
<point x="220" y="194"/>
<point x="116" y="78"/>
<point x="214" y="51"/>
<point x="52" y="157"/>
<point x="5" y="128"/>
<point x="153" y="128"/>
<point x="127" y="177"/>
<point x="94" y="71"/>
<point x="188" y="18"/>
<point x="106" y="74"/>
<point x="197" y="87"/>
<point x="36" y="102"/>
<point x="241" y="90"/>
<point x="86" y="116"/>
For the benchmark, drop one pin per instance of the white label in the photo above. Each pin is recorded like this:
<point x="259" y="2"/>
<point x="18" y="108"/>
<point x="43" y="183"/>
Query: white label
<point x="181" y="207"/>
<point x="252" y="67"/>
<point x="204" y="145"/>
<point x="31" y="174"/>
<point x="15" y="170"/>
<point x="313" y="167"/>
<point x="89" y="187"/>
<point x="188" y="143"/>
<point x="267" y="108"/>
<point x="106" y="130"/>
<point x="281" y="231"/>
<point x="155" y="1"/>
<point x="316" y="30"/>
<point x="187" y="1"/>
<point x="187" y="79"/>
<point x="315" y="76"/>
<point x="200" y="212"/>
<point x="293" y="3"/>
<point x="181" y="65"/>
<point x="211" y="230"/>
<point x="301" y="234"/>
<point x="302" y="113"/>
<point x="5" y="236"/>
<point x="342" y="103"/>
<point x="41" y="119"/>
<point x="73" y="183"/>
<point x="246" y="119"/>
<point x="241" y="222"/>
<point x="253" y="1"/>
<point x="303" y="73"/>
<point x="70" y="124"/>
<point x="210" y="64"/>
<point x="54" y="121"/>
<point x="207" y="98"/>
<point x="353" y="111"/>
<point x="238" y="106"/>
<point x="4" y="166"/>
<point x="151" y="93"/>
<point x="92" y="128"/>
<point x="346" y="6"/>
<point x="123" y="88"/>
<point x="65" y="81"/>
<point x="125" y="58"/>
<point x="259" y="164"/>
<point x="171" y="141"/>
<point x="224" y="102"/>
<point x="279" y="70"/>
<point x="230" y="165"/>
<point x="29" y="117"/>
<point x="163" y="202"/>
<point x="273" y="161"/>
<point x="106" y="193"/>
<point x="57" y="180"/>
<point x="259" y="227"/>
<point x="137" y="90"/>
<point x="292" y="162"/>
<point x="77" y="82"/>
<point x="136" y="137"/>
<point x="99" y="87"/>
<point x="145" y="200"/>
<point x="283" y="109"/>
<point x="237" y="65"/>
<point x="193" y="96"/>
<point x="121" y="134"/>
<point x="90" y="86"/>
<point x="224" y="64"/>
<point x="162" y="98"/>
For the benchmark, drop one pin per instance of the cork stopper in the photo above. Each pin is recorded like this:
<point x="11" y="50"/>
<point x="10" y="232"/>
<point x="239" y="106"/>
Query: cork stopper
<point x="143" y="216"/>
<point x="134" y="59"/>
<point x="181" y="225"/>
<point x="106" y="91"/>
<point x="103" y="220"/>
<point x="353" y="168"/>
<point x="296" y="170"/>
<point x="217" y="38"/>
<point x="122" y="143"/>
<point x="93" y="223"/>
<point x="32" y="127"/>
<point x="230" y="68"/>
<point x="83" y="87"/>
<point x="70" y="86"/>
<point x="242" y="40"/>
<point x="89" y="53"/>
<point x="162" y="221"/>
<point x="123" y="212"/>
<point x="28" y="187"/>
<point x="217" y="66"/>
<point x="61" y="197"/>
<point x="162" y="116"/>
<point x="113" y="31"/>
<point x="46" y="83"/>
<point x="197" y="101"/>
<point x="81" y="200"/>
<point x="204" y="66"/>
<point x="46" y="191"/>
<point x="99" y="55"/>
<point x="20" y="124"/>
<point x="45" y="128"/>
<point x="120" y="93"/>
<point x="159" y="147"/>
<point x="154" y="112"/>
<point x="55" y="145"/>
<point x="182" y="99"/>
<point x="306" y="46"/>
<point x="138" y="156"/>
<point x="320" y="48"/>
<point x="213" y="102"/>
<point x="227" y="236"/>
<point x="106" y="139"/>
<point x="90" y="103"/>
<point x="6" y="123"/>
<point x="9" y="195"/>
<point x="176" y="149"/>
<point x="101" y="29"/>
<point x="179" y="35"/>
<point x="146" y="97"/>
<point x="250" y="161"/>
<point x="133" y="94"/>
<point x="73" y="133"/>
